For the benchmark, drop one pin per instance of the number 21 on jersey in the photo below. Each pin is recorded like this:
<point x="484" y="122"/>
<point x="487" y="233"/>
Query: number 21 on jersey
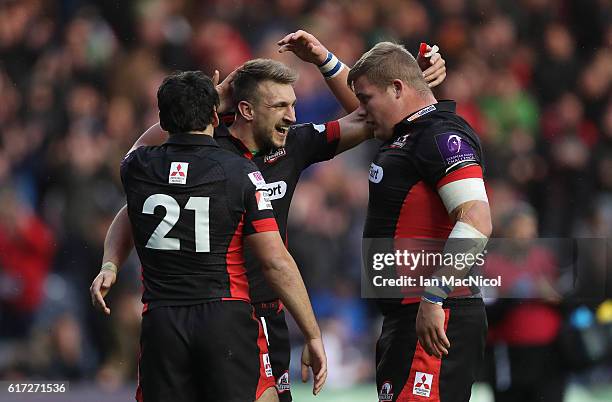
<point x="158" y="239"/>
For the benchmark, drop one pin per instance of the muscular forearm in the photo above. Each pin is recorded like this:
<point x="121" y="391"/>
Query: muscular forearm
<point x="468" y="238"/>
<point x="353" y="131"/>
<point x="342" y="92"/>
<point x="283" y="275"/>
<point x="118" y="243"/>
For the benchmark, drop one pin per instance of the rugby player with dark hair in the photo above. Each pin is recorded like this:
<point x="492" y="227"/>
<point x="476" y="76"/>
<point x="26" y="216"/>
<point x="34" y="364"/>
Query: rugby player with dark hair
<point x="262" y="96"/>
<point x="193" y="207"/>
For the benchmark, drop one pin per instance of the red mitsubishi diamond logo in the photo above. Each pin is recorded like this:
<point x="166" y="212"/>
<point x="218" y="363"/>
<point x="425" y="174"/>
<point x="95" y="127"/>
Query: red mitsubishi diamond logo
<point x="421" y="381"/>
<point x="178" y="171"/>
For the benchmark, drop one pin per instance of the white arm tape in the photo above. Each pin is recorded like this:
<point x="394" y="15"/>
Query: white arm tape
<point x="457" y="192"/>
<point x="463" y="230"/>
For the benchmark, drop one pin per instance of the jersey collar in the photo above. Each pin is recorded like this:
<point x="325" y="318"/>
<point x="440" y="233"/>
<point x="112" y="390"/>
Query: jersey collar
<point x="223" y="131"/>
<point x="442" y="106"/>
<point x="191" y="139"/>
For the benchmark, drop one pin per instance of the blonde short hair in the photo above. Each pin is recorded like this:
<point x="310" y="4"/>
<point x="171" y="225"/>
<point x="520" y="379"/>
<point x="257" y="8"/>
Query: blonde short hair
<point x="386" y="62"/>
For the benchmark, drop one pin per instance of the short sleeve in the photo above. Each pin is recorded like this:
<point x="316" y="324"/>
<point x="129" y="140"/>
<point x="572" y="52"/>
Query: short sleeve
<point x="445" y="152"/>
<point x="124" y="169"/>
<point x="259" y="216"/>
<point x="316" y="142"/>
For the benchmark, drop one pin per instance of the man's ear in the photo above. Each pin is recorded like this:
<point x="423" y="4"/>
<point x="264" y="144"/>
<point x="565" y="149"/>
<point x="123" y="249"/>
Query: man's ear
<point x="398" y="88"/>
<point x="215" y="119"/>
<point x="246" y="110"/>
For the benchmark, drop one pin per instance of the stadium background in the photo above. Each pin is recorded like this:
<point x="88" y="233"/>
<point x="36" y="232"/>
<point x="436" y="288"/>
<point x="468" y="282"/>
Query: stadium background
<point x="77" y="87"/>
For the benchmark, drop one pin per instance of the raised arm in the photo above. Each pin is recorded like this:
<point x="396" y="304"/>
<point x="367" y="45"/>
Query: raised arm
<point x="308" y="48"/>
<point x="353" y="130"/>
<point x="282" y="274"/>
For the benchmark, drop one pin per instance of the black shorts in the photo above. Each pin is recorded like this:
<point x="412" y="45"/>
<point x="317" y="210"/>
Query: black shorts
<point x="406" y="373"/>
<point x="206" y="352"/>
<point x="272" y="317"/>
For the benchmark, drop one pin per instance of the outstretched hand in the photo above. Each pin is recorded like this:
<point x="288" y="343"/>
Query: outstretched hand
<point x="305" y="46"/>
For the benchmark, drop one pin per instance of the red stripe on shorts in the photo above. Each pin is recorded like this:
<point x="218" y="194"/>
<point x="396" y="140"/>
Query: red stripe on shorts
<point x="423" y="363"/>
<point x="139" y="387"/>
<point x="264" y="382"/>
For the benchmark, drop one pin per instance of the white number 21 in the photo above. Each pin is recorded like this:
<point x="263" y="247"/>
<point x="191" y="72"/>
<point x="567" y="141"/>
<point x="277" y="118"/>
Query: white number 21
<point x="159" y="241"/>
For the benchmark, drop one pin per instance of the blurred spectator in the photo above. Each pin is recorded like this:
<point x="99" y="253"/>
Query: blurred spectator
<point x="26" y="250"/>
<point x="508" y="108"/>
<point x="557" y="68"/>
<point x="569" y="138"/>
<point x="525" y="320"/>
<point x="58" y="350"/>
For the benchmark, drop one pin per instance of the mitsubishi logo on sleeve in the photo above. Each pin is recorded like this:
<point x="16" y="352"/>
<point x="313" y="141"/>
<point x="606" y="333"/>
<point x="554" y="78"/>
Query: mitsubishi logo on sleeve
<point x="178" y="173"/>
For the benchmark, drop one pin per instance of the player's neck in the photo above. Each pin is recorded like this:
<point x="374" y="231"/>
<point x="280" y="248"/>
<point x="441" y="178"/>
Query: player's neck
<point x="416" y="103"/>
<point x="244" y="133"/>
<point x="207" y="131"/>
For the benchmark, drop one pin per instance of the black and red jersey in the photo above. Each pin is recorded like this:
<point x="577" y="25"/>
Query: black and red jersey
<point x="281" y="167"/>
<point x="190" y="203"/>
<point x="429" y="149"/>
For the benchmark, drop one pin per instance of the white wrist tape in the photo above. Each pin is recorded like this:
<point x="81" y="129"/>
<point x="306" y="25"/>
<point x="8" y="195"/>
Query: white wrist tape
<point x="331" y="67"/>
<point x="109" y="266"/>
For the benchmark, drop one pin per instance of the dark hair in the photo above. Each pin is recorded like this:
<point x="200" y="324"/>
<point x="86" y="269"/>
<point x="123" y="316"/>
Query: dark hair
<point x="250" y="74"/>
<point x="186" y="101"/>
